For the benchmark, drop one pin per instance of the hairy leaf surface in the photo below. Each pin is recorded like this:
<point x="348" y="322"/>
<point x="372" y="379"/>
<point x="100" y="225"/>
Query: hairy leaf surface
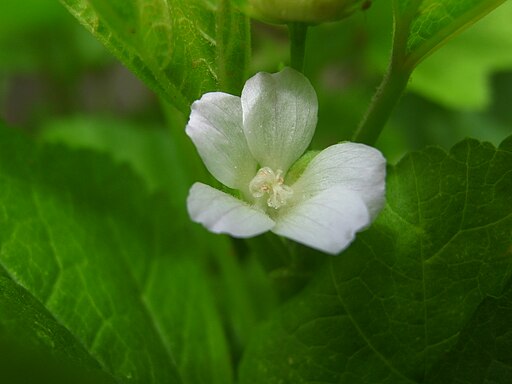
<point x="427" y="24"/>
<point x="179" y="48"/>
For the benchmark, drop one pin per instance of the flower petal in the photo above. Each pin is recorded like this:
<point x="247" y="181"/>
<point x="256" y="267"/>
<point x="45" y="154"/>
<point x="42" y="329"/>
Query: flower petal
<point x="215" y="127"/>
<point x="222" y="213"/>
<point x="279" y="115"/>
<point x="327" y="221"/>
<point x="352" y="166"/>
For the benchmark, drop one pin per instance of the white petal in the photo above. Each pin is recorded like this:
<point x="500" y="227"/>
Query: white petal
<point x="222" y="213"/>
<point x="327" y="221"/>
<point x="352" y="166"/>
<point x="279" y="115"/>
<point x="215" y="127"/>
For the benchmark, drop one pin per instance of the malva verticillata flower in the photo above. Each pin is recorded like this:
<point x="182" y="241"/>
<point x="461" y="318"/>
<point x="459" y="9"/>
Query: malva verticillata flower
<point x="251" y="143"/>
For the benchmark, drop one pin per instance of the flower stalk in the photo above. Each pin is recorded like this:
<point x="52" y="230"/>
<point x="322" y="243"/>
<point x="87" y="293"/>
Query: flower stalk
<point x="383" y="103"/>
<point x="394" y="82"/>
<point x="298" y="34"/>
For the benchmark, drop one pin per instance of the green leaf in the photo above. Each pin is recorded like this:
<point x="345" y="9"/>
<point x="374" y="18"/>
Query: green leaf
<point x="420" y="27"/>
<point x="484" y="351"/>
<point x="233" y="53"/>
<point x="389" y="308"/>
<point x="180" y="49"/>
<point x="110" y="264"/>
<point x="458" y="75"/>
<point x="29" y="335"/>
<point x="150" y="151"/>
<point x="160" y="162"/>
<point x="425" y="25"/>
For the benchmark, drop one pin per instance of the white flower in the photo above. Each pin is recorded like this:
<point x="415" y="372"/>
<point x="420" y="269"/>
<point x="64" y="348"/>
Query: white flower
<point x="249" y="144"/>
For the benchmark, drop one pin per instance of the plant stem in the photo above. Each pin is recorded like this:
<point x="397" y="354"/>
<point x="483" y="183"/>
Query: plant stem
<point x="395" y="81"/>
<point x="298" y="33"/>
<point x="384" y="101"/>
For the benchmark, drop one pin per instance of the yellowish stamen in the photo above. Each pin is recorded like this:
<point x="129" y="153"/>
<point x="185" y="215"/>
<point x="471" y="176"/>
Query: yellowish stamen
<point x="268" y="182"/>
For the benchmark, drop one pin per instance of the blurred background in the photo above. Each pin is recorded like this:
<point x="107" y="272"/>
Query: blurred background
<point x="59" y="84"/>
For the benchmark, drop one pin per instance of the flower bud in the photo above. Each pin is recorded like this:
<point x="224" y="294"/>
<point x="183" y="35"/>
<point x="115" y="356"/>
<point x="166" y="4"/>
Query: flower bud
<point x="305" y="11"/>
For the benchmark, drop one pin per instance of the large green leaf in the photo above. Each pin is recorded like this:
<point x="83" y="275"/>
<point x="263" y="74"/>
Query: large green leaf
<point x="395" y="303"/>
<point x="150" y="151"/>
<point x="114" y="268"/>
<point x="33" y="337"/>
<point x="179" y="48"/>
<point x="161" y="163"/>
<point x="427" y="24"/>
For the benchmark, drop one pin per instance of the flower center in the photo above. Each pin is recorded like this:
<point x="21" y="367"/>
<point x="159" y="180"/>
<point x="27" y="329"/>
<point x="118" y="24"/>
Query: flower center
<point x="268" y="182"/>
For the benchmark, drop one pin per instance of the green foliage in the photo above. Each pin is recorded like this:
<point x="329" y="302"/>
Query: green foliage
<point x="40" y="35"/>
<point x="396" y="305"/>
<point x="420" y="27"/>
<point x="113" y="269"/>
<point x="443" y="77"/>
<point x="103" y="278"/>
<point x="180" y="49"/>
<point x="484" y="351"/>
<point x="159" y="162"/>
<point x="305" y="11"/>
<point x="150" y="152"/>
<point x="427" y="24"/>
<point x="34" y="338"/>
<point x="35" y="13"/>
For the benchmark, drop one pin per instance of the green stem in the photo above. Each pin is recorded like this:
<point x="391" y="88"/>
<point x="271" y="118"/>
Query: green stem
<point x="298" y="33"/>
<point x="395" y="81"/>
<point x="384" y="101"/>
